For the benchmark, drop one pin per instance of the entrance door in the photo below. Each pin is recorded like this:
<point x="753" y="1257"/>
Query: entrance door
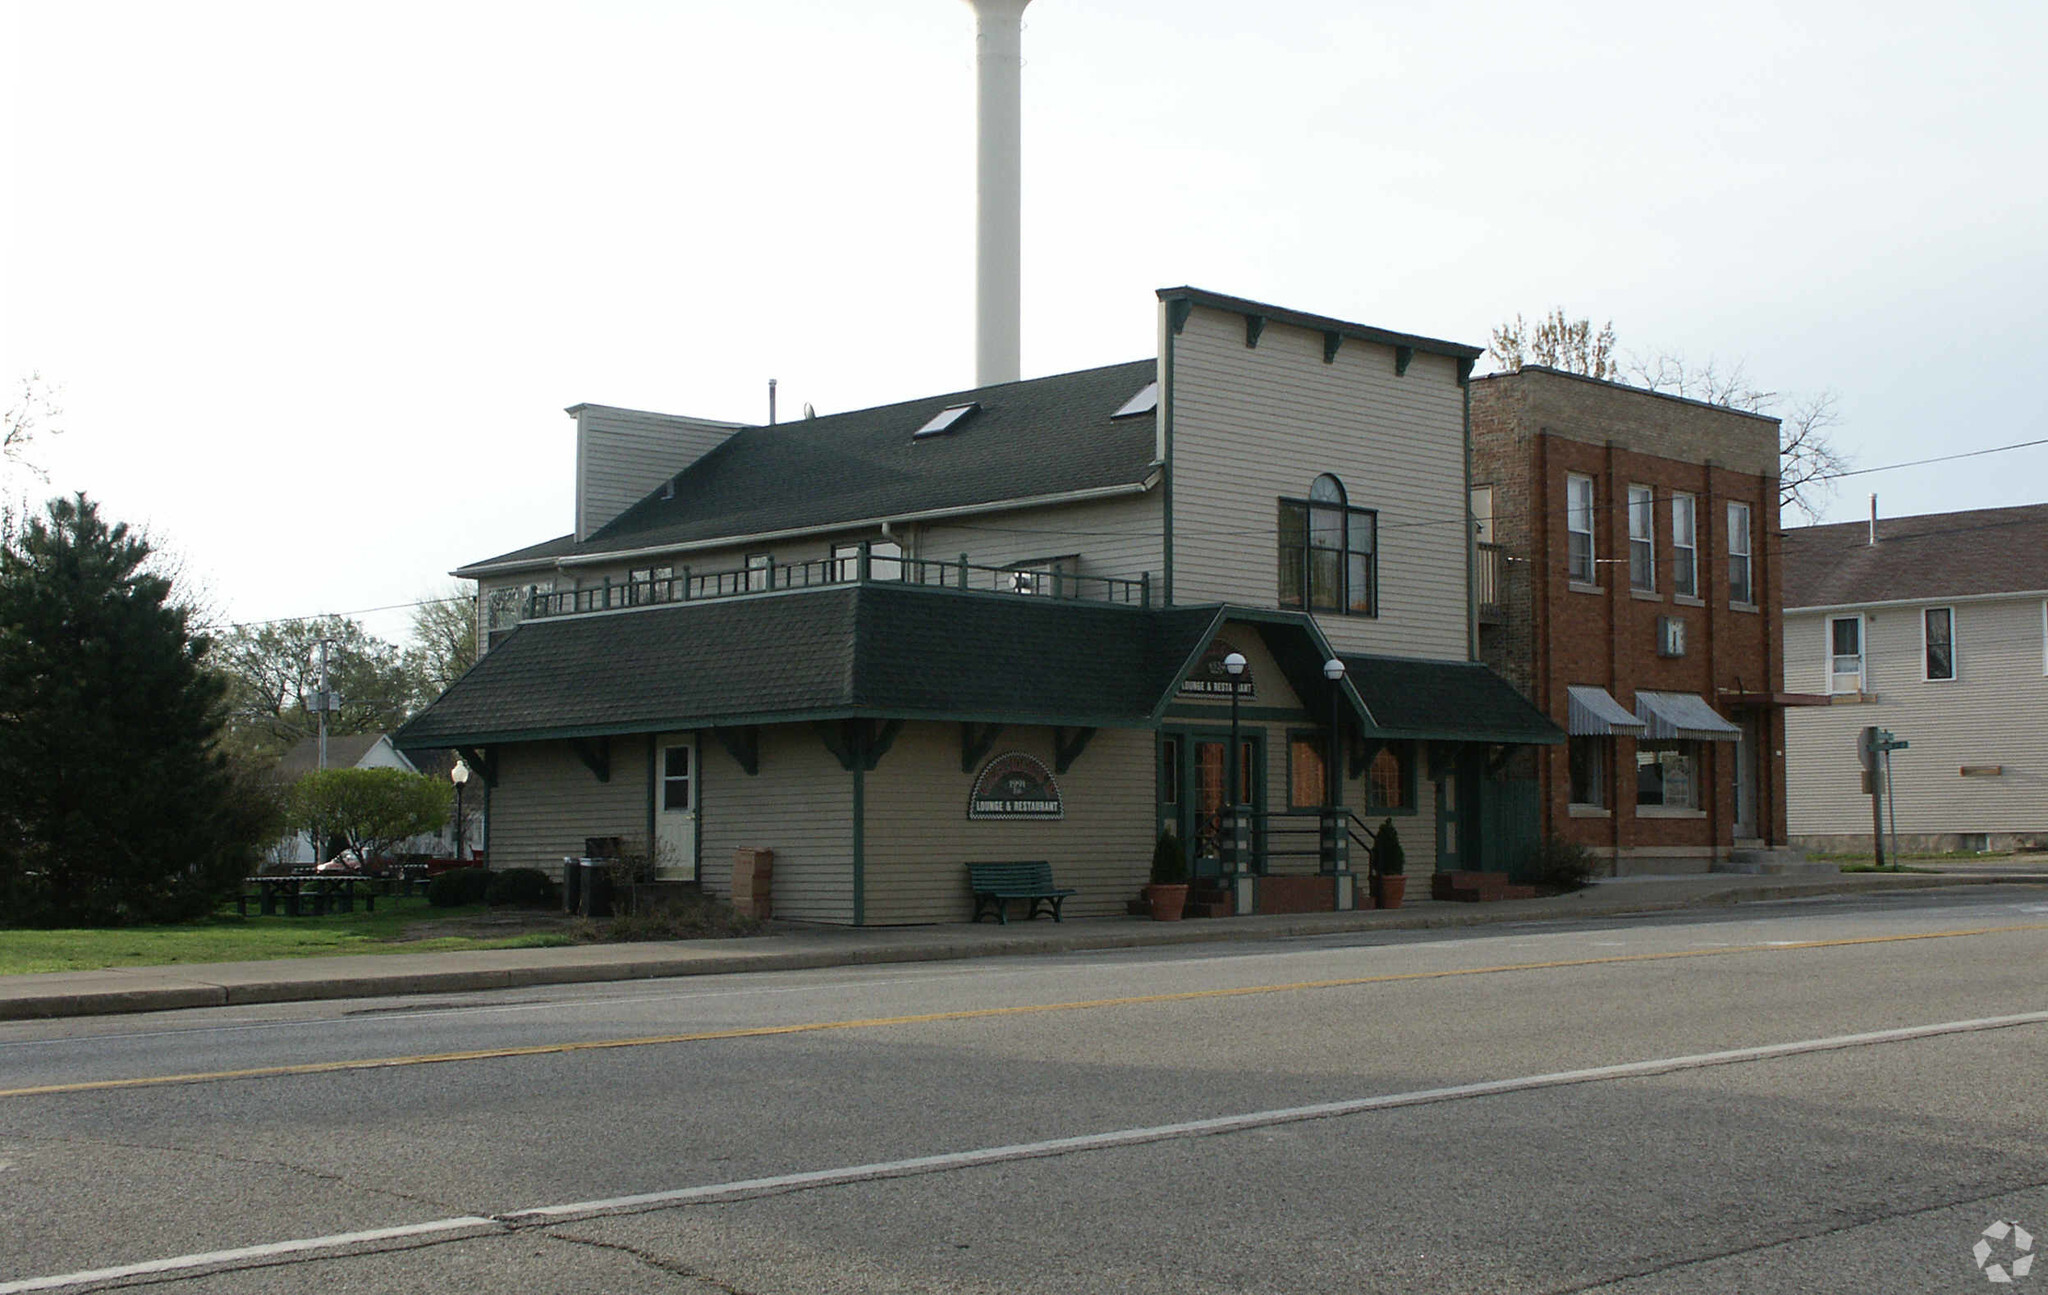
<point x="1746" y="765"/>
<point x="1195" y="788"/>
<point x="677" y="786"/>
<point x="1449" y="815"/>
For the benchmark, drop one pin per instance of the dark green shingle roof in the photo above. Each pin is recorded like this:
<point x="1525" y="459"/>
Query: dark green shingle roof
<point x="1045" y="436"/>
<point x="874" y="649"/>
<point x="1446" y="700"/>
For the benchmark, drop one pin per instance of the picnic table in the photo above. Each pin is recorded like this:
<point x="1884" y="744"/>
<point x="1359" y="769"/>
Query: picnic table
<point x="302" y="896"/>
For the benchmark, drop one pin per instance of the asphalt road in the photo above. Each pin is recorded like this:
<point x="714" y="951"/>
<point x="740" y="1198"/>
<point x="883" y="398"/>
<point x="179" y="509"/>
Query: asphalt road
<point x="1542" y="1107"/>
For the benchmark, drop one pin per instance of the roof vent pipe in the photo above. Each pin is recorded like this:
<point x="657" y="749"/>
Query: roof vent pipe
<point x="1873" y="517"/>
<point x="771" y="402"/>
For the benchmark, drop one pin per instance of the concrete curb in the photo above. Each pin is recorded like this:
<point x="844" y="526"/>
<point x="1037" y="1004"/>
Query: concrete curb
<point x="156" y="989"/>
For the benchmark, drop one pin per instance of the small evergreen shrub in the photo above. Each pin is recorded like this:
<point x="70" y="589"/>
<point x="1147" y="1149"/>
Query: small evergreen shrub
<point x="1169" y="861"/>
<point x="459" y="886"/>
<point x="1388" y="859"/>
<point x="1559" y="865"/>
<point x="521" y="888"/>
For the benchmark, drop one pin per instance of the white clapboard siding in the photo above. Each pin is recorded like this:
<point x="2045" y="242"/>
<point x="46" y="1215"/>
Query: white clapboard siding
<point x="1253" y="425"/>
<point x="800" y="805"/>
<point x="1995" y="712"/>
<point x="919" y="839"/>
<point x="547" y="802"/>
<point x="623" y="454"/>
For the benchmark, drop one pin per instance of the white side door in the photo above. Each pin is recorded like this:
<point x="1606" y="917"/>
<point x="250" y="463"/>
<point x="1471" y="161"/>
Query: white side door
<point x="678" y="784"/>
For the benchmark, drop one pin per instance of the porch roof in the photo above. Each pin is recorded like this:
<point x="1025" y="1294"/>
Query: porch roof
<point x="1446" y="701"/>
<point x="875" y="649"/>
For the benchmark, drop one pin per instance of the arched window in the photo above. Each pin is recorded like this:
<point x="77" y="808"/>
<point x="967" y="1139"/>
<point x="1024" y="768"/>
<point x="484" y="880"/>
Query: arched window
<point x="1327" y="552"/>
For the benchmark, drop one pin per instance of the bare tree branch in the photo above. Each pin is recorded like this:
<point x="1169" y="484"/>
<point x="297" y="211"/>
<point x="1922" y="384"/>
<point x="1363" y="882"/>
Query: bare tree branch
<point x="1557" y="342"/>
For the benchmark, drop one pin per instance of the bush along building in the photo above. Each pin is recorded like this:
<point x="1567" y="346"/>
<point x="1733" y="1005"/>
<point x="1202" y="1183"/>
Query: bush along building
<point x="1628" y="585"/>
<point x="1935" y="629"/>
<point x="993" y="625"/>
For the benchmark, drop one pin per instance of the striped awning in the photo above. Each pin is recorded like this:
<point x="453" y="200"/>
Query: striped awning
<point x="1684" y="715"/>
<point x="1592" y="713"/>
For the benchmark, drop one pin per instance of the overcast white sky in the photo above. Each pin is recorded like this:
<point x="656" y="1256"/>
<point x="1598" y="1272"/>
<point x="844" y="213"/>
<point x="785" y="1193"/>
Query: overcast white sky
<point x="316" y="281"/>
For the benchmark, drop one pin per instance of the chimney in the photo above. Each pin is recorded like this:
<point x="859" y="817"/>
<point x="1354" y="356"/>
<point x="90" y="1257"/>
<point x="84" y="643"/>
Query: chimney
<point x="999" y="41"/>
<point x="1873" y="517"/>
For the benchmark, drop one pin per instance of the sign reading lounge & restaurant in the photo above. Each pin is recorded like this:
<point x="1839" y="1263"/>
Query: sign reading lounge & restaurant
<point x="1210" y="679"/>
<point x="1014" y="785"/>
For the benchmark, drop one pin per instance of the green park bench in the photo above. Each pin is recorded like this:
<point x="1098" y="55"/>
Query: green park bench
<point x="996" y="884"/>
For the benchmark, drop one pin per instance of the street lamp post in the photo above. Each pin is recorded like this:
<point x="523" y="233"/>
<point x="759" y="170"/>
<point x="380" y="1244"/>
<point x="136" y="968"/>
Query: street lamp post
<point x="459" y="775"/>
<point x="1333" y="670"/>
<point x="1233" y="665"/>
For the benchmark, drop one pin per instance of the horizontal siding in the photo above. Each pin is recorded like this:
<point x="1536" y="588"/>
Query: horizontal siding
<point x="1995" y="712"/>
<point x="623" y="454"/>
<point x="547" y="801"/>
<point x="800" y="805"/>
<point x="919" y="836"/>
<point x="1251" y="425"/>
<point x="1270" y="688"/>
<point x="1114" y="537"/>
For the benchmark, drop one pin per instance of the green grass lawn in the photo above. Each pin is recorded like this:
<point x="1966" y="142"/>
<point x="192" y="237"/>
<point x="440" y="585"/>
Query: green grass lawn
<point x="228" y="938"/>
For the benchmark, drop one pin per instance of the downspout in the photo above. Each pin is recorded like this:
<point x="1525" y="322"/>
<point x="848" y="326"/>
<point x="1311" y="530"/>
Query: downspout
<point x="1166" y="404"/>
<point x="1471" y="531"/>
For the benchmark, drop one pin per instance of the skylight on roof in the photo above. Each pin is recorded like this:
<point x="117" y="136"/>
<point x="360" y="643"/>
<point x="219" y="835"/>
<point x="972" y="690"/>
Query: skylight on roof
<point x="1144" y="402"/>
<point x="945" y="420"/>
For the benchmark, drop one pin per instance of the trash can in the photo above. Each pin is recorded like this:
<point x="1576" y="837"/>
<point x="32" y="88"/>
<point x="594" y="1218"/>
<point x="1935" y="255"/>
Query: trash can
<point x="597" y="887"/>
<point x="572" y="883"/>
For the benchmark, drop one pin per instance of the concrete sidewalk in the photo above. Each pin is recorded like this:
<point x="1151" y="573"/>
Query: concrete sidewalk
<point x="221" y="984"/>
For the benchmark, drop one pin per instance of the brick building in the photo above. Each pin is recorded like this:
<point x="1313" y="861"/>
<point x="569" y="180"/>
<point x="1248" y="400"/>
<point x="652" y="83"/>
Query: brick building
<point x="1627" y="579"/>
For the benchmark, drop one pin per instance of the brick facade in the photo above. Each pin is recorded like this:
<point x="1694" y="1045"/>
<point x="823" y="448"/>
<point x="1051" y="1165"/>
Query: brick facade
<point x="1530" y="431"/>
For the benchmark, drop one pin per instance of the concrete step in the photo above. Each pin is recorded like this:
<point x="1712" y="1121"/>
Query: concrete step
<point x="1776" y="861"/>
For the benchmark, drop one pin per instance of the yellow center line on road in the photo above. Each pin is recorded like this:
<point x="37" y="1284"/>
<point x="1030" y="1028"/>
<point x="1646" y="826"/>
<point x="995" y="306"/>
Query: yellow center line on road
<point x="979" y="1013"/>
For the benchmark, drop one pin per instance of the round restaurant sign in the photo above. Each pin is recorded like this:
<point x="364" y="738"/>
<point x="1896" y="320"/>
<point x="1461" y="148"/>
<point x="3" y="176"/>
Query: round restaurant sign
<point x="1014" y="785"/>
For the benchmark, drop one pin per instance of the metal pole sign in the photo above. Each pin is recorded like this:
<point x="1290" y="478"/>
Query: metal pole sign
<point x="1874" y="747"/>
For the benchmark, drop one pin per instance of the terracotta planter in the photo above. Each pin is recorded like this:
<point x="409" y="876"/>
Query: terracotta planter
<point x="1387" y="891"/>
<point x="1167" y="902"/>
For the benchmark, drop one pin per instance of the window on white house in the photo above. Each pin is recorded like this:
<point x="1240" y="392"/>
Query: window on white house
<point x="1938" y="628"/>
<point x="1739" y="588"/>
<point x="675" y="777"/>
<point x="1845" y="654"/>
<point x="1329" y="552"/>
<point x="1642" y="549"/>
<point x="1482" y="513"/>
<point x="1667" y="774"/>
<point x="760" y="571"/>
<point x="1685" y="554"/>
<point x="1578" y="522"/>
<point x="1588" y="757"/>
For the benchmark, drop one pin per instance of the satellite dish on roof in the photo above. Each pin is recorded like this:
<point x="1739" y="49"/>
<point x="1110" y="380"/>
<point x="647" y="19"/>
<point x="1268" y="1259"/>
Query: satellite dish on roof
<point x="809" y="411"/>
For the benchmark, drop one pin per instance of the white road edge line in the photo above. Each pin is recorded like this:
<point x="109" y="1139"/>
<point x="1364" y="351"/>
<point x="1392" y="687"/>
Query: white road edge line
<point x="158" y="1267"/>
<point x="1024" y="1151"/>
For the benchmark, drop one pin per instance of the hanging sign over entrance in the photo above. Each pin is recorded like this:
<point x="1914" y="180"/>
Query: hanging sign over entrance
<point x="1014" y="785"/>
<point x="1210" y="679"/>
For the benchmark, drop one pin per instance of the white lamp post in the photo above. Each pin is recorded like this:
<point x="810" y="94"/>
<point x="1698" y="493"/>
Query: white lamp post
<point x="459" y="775"/>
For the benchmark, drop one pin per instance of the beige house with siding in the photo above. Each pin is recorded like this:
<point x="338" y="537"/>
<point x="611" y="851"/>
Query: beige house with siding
<point x="988" y="626"/>
<point x="1936" y="629"/>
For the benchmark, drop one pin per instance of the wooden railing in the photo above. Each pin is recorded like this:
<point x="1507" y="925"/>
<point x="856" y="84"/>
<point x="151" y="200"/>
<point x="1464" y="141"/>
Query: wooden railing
<point x="683" y="585"/>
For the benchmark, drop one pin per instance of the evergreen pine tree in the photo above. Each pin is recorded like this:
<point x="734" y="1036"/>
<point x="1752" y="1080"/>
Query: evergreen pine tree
<point x="115" y="805"/>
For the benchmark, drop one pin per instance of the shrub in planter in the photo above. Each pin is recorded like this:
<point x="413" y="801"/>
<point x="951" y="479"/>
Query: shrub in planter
<point x="1168" y="893"/>
<point x="1559" y="865"/>
<point x="1389" y="867"/>
<point x="459" y="886"/>
<point x="1388" y="859"/>
<point x="1169" y="861"/>
<point x="521" y="888"/>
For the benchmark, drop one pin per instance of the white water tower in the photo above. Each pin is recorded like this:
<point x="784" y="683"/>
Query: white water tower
<point x="999" y="44"/>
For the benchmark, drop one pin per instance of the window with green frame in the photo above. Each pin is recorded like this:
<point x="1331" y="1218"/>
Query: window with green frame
<point x="1329" y="552"/>
<point x="1390" y="780"/>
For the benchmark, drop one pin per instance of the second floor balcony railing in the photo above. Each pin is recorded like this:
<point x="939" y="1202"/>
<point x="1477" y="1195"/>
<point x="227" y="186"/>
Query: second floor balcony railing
<point x="681" y="584"/>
